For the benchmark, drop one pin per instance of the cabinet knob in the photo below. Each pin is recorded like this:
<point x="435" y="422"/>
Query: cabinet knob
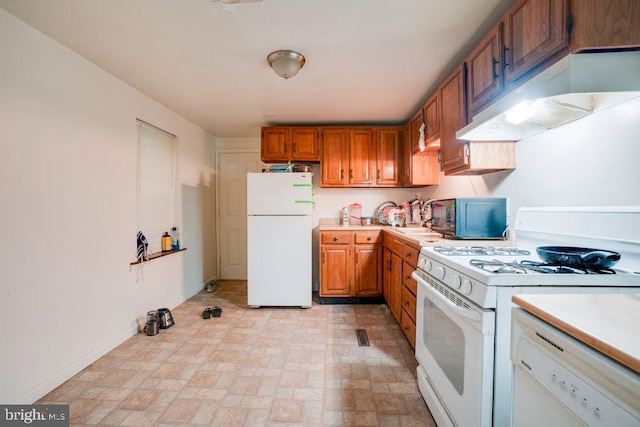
<point x="406" y="303"/>
<point x="335" y="239"/>
<point x="369" y="239"/>
<point x="406" y="328"/>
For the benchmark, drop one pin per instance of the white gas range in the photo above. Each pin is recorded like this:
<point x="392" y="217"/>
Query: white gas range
<point x="464" y="304"/>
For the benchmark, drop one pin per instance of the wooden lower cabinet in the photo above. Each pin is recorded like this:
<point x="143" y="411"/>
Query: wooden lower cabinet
<point x="368" y="269"/>
<point x="336" y="268"/>
<point x="351" y="263"/>
<point x="394" y="282"/>
<point x="408" y="315"/>
<point x="399" y="288"/>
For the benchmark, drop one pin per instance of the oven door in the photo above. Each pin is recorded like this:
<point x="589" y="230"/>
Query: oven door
<point x="455" y="350"/>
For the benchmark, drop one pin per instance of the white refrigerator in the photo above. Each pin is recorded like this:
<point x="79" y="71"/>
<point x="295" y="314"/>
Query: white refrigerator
<point x="279" y="224"/>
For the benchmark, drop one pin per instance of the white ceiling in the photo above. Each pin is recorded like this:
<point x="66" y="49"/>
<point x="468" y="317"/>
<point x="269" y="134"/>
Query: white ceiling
<point x="368" y="61"/>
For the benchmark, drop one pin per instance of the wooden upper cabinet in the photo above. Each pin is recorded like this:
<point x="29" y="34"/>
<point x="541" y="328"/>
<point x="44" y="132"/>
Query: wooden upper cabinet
<point x="274" y="144"/>
<point x="415" y="123"/>
<point x="431" y="114"/>
<point x="534" y="30"/>
<point x="388" y="155"/>
<point x="484" y="71"/>
<point x="335" y="157"/>
<point x="603" y="24"/>
<point x="419" y="170"/>
<point x="305" y="144"/>
<point x="453" y="106"/>
<point x="362" y="157"/>
<point x="283" y="143"/>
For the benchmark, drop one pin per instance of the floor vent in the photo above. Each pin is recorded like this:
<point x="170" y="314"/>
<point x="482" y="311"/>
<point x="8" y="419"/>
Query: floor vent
<point x="363" y="340"/>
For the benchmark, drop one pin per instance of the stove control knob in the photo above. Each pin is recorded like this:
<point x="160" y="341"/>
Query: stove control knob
<point x="455" y="281"/>
<point x="424" y="264"/>
<point x="466" y="287"/>
<point x="439" y="272"/>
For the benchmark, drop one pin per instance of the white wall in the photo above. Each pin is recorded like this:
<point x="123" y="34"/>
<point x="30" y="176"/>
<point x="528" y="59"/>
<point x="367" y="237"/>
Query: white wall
<point x="589" y="162"/>
<point x="67" y="186"/>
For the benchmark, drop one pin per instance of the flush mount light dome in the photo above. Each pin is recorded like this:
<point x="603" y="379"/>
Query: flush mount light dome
<point x="286" y="63"/>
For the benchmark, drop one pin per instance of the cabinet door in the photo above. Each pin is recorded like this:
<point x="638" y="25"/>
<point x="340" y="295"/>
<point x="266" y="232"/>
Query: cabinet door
<point x="305" y="144"/>
<point x="388" y="157"/>
<point x="274" y="144"/>
<point x="415" y="123"/>
<point x="484" y="77"/>
<point x="395" y="286"/>
<point x="335" y="157"/>
<point x="432" y="120"/>
<point x="453" y="117"/>
<point x="336" y="266"/>
<point x="386" y="272"/>
<point x="362" y="158"/>
<point x="534" y="31"/>
<point x="368" y="269"/>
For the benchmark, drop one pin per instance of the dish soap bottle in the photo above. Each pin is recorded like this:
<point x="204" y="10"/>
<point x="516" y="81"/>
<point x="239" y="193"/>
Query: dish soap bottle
<point x="175" y="239"/>
<point x="166" y="242"/>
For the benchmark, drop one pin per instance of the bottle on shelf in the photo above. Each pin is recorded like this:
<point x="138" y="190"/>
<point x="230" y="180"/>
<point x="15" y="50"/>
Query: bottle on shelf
<point x="166" y="242"/>
<point x="175" y="239"/>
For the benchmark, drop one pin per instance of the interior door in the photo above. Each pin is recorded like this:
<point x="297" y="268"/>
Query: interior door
<point x="232" y="212"/>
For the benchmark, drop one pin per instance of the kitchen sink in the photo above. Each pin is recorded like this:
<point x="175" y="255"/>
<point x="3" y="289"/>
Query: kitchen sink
<point x="417" y="231"/>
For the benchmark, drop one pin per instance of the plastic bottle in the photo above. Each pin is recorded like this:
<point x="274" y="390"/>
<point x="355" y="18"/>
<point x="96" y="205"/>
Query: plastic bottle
<point x="175" y="239"/>
<point x="355" y="213"/>
<point x="166" y="242"/>
<point x="345" y="216"/>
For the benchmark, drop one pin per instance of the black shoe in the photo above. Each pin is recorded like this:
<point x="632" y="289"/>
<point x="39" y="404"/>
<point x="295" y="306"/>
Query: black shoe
<point x="206" y="314"/>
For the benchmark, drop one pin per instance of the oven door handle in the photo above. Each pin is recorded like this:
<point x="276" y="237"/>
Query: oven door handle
<point x="466" y="313"/>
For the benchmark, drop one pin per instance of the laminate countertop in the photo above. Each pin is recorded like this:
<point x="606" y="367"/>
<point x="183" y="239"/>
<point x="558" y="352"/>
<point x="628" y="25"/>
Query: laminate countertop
<point x="606" y="322"/>
<point x="420" y="236"/>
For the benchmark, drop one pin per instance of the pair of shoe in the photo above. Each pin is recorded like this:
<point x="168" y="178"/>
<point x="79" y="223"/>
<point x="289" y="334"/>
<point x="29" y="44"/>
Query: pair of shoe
<point x="210" y="312"/>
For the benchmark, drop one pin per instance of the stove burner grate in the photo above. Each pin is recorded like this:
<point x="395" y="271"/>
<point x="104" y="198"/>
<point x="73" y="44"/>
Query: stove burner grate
<point x="480" y="251"/>
<point x="532" y="267"/>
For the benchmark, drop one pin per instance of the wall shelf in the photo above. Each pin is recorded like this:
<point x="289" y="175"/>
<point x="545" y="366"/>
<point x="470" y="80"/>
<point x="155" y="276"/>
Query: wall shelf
<point x="159" y="255"/>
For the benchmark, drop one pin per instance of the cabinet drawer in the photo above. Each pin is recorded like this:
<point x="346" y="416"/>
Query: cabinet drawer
<point x="374" y="236"/>
<point x="336" y="237"/>
<point x="409" y="328"/>
<point x="397" y="247"/>
<point x="408" y="281"/>
<point x="410" y="254"/>
<point x="409" y="303"/>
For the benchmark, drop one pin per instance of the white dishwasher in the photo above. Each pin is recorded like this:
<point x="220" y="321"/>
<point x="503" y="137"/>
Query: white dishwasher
<point x="560" y="381"/>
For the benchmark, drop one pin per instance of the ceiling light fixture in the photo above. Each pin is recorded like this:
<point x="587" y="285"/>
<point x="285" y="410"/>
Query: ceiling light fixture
<point x="286" y="63"/>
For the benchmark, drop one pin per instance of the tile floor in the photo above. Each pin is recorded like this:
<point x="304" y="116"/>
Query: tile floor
<point x="254" y="367"/>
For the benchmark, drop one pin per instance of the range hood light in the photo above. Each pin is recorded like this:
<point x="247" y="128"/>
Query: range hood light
<point x="522" y="112"/>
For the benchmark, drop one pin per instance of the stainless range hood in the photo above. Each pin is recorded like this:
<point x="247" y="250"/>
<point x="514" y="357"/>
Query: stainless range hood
<point x="573" y="87"/>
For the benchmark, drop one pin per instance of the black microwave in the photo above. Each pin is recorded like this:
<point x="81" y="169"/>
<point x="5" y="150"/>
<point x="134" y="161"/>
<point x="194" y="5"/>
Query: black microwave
<point x="470" y="218"/>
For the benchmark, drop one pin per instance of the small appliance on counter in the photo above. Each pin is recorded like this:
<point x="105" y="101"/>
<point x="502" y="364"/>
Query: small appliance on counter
<point x="470" y="217"/>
